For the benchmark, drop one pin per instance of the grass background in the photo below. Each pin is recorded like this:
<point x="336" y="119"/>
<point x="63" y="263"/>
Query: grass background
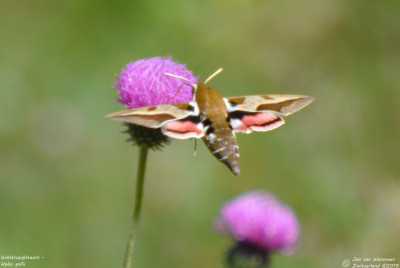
<point x="67" y="174"/>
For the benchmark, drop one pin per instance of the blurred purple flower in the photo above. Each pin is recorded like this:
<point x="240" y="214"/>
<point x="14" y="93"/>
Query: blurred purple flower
<point x="143" y="82"/>
<point x="259" y="220"/>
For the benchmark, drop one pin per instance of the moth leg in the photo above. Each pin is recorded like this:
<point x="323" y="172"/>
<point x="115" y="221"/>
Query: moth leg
<point x="179" y="90"/>
<point x="195" y="147"/>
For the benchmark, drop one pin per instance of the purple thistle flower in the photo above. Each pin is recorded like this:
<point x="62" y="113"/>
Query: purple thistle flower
<point x="259" y="220"/>
<point x="144" y="83"/>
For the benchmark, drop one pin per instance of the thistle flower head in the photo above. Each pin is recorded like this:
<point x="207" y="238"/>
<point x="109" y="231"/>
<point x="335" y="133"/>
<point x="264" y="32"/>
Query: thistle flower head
<point x="144" y="83"/>
<point x="261" y="221"/>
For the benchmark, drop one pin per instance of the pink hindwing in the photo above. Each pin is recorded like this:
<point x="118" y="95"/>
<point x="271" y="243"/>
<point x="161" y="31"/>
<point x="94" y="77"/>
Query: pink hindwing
<point x="259" y="121"/>
<point x="184" y="128"/>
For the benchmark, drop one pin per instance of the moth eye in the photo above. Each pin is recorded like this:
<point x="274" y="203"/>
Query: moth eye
<point x="207" y="122"/>
<point x="190" y="108"/>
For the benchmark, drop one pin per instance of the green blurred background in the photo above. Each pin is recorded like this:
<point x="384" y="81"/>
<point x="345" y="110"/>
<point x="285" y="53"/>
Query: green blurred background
<point x="68" y="175"/>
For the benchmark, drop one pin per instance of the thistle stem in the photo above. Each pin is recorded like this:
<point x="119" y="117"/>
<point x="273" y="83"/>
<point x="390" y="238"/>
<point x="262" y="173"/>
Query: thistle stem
<point x="138" y="205"/>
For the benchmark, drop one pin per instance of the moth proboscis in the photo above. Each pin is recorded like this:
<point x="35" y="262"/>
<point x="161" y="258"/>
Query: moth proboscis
<point x="215" y="119"/>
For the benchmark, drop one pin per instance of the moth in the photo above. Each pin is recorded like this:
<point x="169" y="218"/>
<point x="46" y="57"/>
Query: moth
<point x="215" y="119"/>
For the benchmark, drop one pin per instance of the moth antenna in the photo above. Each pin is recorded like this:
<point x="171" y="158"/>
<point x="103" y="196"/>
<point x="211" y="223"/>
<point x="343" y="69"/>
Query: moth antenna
<point x="195" y="147"/>
<point x="180" y="77"/>
<point x="213" y="75"/>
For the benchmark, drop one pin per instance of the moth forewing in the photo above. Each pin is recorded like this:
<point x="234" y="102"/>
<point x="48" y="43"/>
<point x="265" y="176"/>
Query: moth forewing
<point x="282" y="104"/>
<point x="177" y="120"/>
<point x="262" y="112"/>
<point x="153" y="116"/>
<point x="288" y="105"/>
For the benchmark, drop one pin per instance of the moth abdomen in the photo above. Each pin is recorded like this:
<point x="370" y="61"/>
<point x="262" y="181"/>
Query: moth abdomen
<point x="221" y="142"/>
